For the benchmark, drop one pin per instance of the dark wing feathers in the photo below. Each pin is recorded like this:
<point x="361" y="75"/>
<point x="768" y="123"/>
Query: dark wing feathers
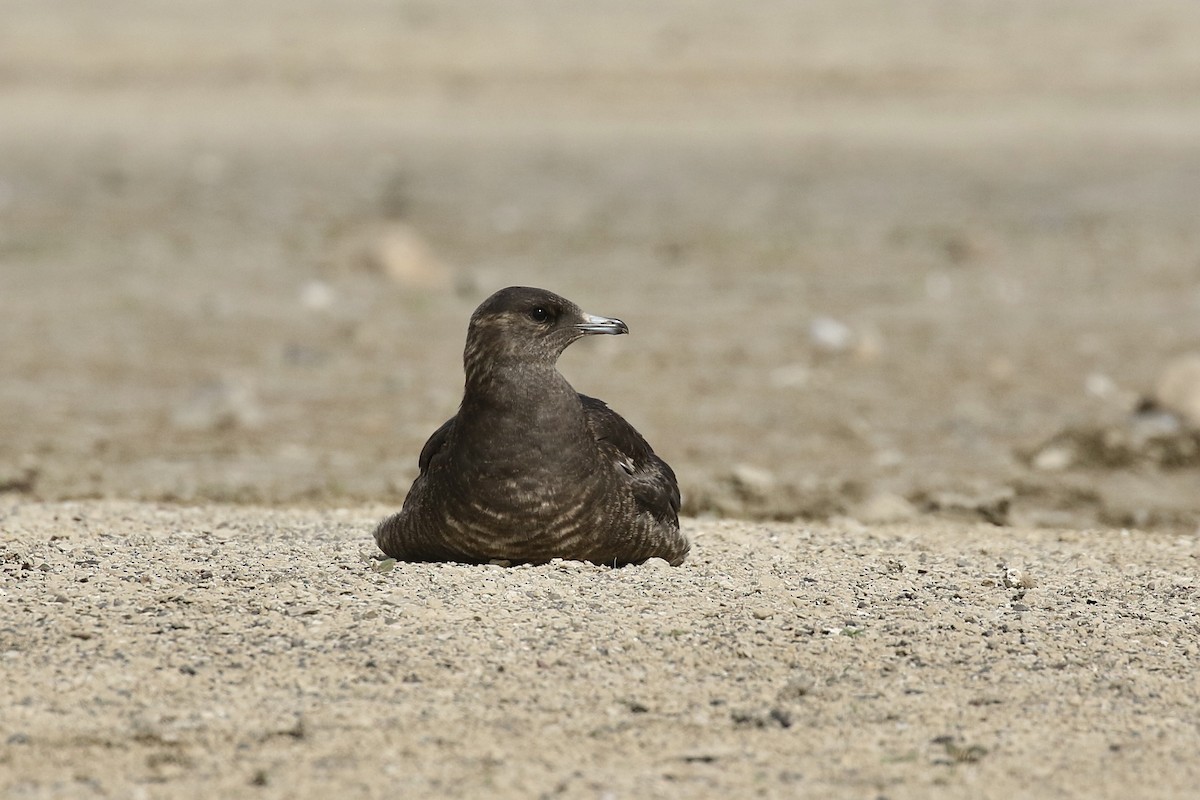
<point x="653" y="481"/>
<point x="654" y="484"/>
<point x="434" y="444"/>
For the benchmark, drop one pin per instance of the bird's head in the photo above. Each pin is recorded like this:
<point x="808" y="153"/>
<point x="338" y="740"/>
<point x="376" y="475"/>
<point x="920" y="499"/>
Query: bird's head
<point x="530" y="326"/>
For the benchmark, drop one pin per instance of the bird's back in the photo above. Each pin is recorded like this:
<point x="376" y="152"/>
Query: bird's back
<point x="601" y="495"/>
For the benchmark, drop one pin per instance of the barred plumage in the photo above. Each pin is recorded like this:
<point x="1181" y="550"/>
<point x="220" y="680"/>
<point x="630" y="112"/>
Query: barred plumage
<point x="530" y="470"/>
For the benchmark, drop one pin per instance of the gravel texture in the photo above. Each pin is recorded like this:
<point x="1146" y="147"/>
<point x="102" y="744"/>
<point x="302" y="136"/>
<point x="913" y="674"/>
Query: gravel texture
<point x="930" y="266"/>
<point x="163" y="651"/>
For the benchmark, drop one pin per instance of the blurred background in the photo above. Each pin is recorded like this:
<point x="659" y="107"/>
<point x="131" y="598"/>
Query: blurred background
<point x="878" y="259"/>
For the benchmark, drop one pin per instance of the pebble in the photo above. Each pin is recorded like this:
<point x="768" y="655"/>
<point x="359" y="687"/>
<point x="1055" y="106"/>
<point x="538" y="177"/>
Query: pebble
<point x="753" y="479"/>
<point x="317" y="295"/>
<point x="885" y="507"/>
<point x="225" y="403"/>
<point x="398" y="252"/>
<point x="1099" y="385"/>
<point x="1054" y="458"/>
<point x="830" y="335"/>
<point x="1178" y="388"/>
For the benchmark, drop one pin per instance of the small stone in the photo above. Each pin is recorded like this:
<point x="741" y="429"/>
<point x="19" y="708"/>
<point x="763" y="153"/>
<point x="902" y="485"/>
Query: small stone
<point x="753" y="480"/>
<point x="656" y="564"/>
<point x="394" y="250"/>
<point x="885" y="507"/>
<point x="1099" y="385"/>
<point x="317" y="295"/>
<point x="763" y="612"/>
<point x="1054" y="458"/>
<point x="1017" y="579"/>
<point x="1178" y="388"/>
<point x="829" y="335"/>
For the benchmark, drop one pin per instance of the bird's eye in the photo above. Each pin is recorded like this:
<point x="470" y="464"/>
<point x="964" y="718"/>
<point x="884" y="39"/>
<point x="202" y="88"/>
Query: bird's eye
<point x="539" y="314"/>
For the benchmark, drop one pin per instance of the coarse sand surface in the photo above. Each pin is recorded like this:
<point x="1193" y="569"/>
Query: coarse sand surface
<point x="919" y="278"/>
<point x="163" y="651"/>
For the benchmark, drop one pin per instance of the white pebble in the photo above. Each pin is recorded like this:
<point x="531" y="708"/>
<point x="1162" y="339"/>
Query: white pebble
<point x="830" y="335"/>
<point x="317" y="295"/>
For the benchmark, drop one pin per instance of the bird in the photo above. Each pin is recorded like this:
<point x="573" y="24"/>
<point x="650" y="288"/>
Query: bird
<point x="529" y="470"/>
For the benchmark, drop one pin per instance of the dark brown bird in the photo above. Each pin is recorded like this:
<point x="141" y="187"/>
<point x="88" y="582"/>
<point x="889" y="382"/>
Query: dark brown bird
<point x="529" y="469"/>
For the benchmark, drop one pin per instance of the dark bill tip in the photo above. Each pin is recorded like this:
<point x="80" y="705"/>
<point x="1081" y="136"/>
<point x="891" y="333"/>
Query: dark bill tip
<point x="594" y="324"/>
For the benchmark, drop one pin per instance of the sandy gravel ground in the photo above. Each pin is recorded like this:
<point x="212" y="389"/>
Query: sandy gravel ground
<point x="910" y="264"/>
<point x="154" y="651"/>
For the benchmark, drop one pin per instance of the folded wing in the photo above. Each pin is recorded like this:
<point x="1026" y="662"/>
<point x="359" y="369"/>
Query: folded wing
<point x="435" y="444"/>
<point x="653" y="482"/>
